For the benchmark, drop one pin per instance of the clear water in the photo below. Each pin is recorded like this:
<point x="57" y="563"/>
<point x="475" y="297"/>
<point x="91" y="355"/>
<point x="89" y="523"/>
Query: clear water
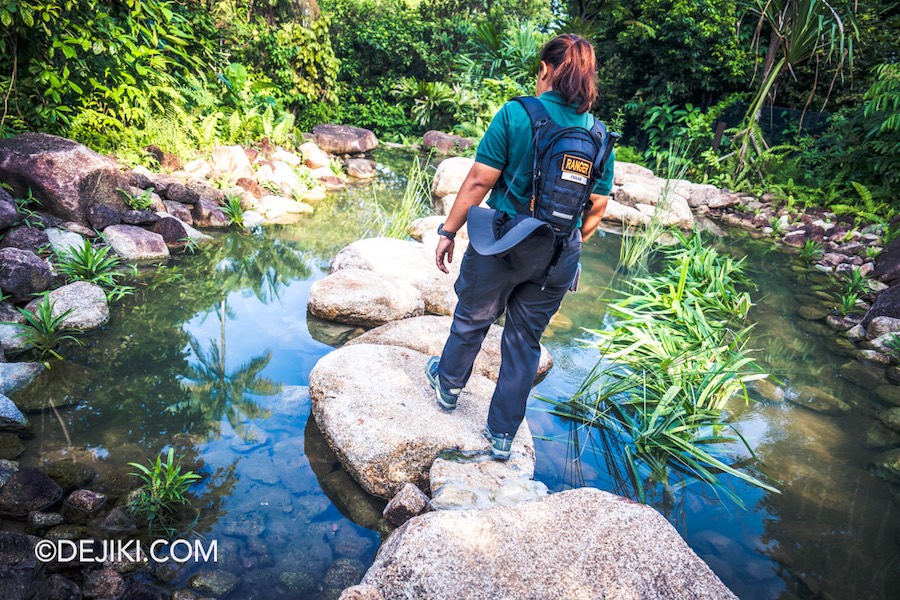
<point x="231" y="322"/>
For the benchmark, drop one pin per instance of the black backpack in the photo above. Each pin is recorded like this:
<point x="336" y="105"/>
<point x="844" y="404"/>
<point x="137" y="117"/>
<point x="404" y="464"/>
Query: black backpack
<point x="568" y="161"/>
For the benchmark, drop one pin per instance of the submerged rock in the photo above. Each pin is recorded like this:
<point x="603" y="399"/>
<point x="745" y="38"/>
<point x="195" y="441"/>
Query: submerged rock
<point x="218" y="583"/>
<point x="103" y="583"/>
<point x="891" y="419"/>
<point x="527" y="550"/>
<point x="889" y="394"/>
<point x="866" y="377"/>
<point x="817" y="400"/>
<point x="427" y="334"/>
<point x="378" y="413"/>
<point x="29" y="489"/>
<point x="365" y="298"/>
<point x="11" y="447"/>
<point x="887" y="466"/>
<point x="879" y="437"/>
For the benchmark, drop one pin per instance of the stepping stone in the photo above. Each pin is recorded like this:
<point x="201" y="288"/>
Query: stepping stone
<point x="378" y="413"/>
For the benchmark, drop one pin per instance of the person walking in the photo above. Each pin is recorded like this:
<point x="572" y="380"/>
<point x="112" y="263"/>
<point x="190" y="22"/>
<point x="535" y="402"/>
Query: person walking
<point x="523" y="271"/>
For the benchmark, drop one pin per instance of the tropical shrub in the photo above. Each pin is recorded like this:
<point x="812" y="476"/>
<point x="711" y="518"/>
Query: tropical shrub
<point x="43" y="331"/>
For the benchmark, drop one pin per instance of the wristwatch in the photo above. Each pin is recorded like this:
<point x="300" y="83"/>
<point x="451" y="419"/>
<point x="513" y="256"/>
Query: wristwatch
<point x="447" y="234"/>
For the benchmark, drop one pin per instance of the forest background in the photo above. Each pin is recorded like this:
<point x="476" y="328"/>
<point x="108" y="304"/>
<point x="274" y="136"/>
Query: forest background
<point x="799" y="99"/>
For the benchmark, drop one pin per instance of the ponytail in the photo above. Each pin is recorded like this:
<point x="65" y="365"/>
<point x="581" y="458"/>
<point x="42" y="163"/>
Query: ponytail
<point x="575" y="69"/>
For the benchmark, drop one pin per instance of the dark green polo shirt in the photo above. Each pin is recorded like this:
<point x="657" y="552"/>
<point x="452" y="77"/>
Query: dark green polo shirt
<point x="508" y="145"/>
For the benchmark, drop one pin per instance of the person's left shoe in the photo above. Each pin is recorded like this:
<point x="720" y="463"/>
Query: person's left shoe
<point x="446" y="399"/>
<point x="501" y="444"/>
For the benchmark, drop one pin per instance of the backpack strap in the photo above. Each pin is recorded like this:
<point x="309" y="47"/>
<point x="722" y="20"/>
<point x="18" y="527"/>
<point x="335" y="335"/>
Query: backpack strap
<point x="606" y="141"/>
<point x="536" y="111"/>
<point x="539" y="117"/>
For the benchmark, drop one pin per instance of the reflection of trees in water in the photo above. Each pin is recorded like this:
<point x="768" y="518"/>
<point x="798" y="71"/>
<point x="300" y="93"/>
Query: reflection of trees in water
<point x="833" y="530"/>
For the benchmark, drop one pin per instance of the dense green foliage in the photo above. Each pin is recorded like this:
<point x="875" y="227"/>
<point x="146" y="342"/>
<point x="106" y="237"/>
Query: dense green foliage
<point x="185" y="75"/>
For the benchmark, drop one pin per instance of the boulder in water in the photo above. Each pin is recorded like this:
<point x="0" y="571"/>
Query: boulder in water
<point x="527" y="550"/>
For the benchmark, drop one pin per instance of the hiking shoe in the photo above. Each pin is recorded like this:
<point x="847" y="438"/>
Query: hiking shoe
<point x="501" y="445"/>
<point x="446" y="399"/>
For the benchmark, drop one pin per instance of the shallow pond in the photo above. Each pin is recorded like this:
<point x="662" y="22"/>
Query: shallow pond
<point x="211" y="357"/>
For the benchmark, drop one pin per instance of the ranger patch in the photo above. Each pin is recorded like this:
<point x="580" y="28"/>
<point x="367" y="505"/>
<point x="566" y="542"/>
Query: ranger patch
<point x="576" y="169"/>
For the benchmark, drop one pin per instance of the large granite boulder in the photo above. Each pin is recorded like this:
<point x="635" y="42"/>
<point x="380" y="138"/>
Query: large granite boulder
<point x="343" y="139"/>
<point x="582" y="543"/>
<point x="887" y="304"/>
<point x="445" y="143"/>
<point x="64" y="175"/>
<point x="359" y="297"/>
<point x="887" y="263"/>
<point x="63" y="241"/>
<point x="652" y="196"/>
<point x="378" y="413"/>
<point x="427" y="334"/>
<point x="87" y="302"/>
<point x="136" y="244"/>
<point x="231" y="161"/>
<point x="23" y="274"/>
<point x="176" y="233"/>
<point x="208" y="214"/>
<point x="408" y="262"/>
<point x="25" y="238"/>
<point x="281" y="175"/>
<point x="8" y="213"/>
<point x="450" y="175"/>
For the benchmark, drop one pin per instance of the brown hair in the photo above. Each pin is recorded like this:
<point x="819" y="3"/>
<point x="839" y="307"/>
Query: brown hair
<point x="575" y="69"/>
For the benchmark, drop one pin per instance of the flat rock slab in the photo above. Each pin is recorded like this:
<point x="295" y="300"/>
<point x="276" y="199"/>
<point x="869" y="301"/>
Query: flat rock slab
<point x="427" y="334"/>
<point x="582" y="543"/>
<point x="86" y="301"/>
<point x="137" y="244"/>
<point x="378" y="413"/>
<point x="361" y="297"/>
<point x="408" y="262"/>
<point x="479" y="482"/>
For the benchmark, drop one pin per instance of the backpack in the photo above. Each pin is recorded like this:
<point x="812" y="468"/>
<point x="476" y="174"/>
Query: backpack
<point x="568" y="161"/>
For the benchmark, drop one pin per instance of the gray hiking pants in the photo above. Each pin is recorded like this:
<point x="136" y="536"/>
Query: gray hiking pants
<point x="488" y="285"/>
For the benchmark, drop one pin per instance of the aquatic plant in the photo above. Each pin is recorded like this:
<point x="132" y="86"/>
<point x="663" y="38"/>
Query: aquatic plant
<point x="672" y="360"/>
<point x="43" y="331"/>
<point x="811" y="251"/>
<point x="872" y="252"/>
<point x="164" y="488"/>
<point x="336" y="167"/>
<point x="638" y="244"/>
<point x="89" y="263"/>
<point x="415" y="203"/>
<point x="233" y="210"/>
